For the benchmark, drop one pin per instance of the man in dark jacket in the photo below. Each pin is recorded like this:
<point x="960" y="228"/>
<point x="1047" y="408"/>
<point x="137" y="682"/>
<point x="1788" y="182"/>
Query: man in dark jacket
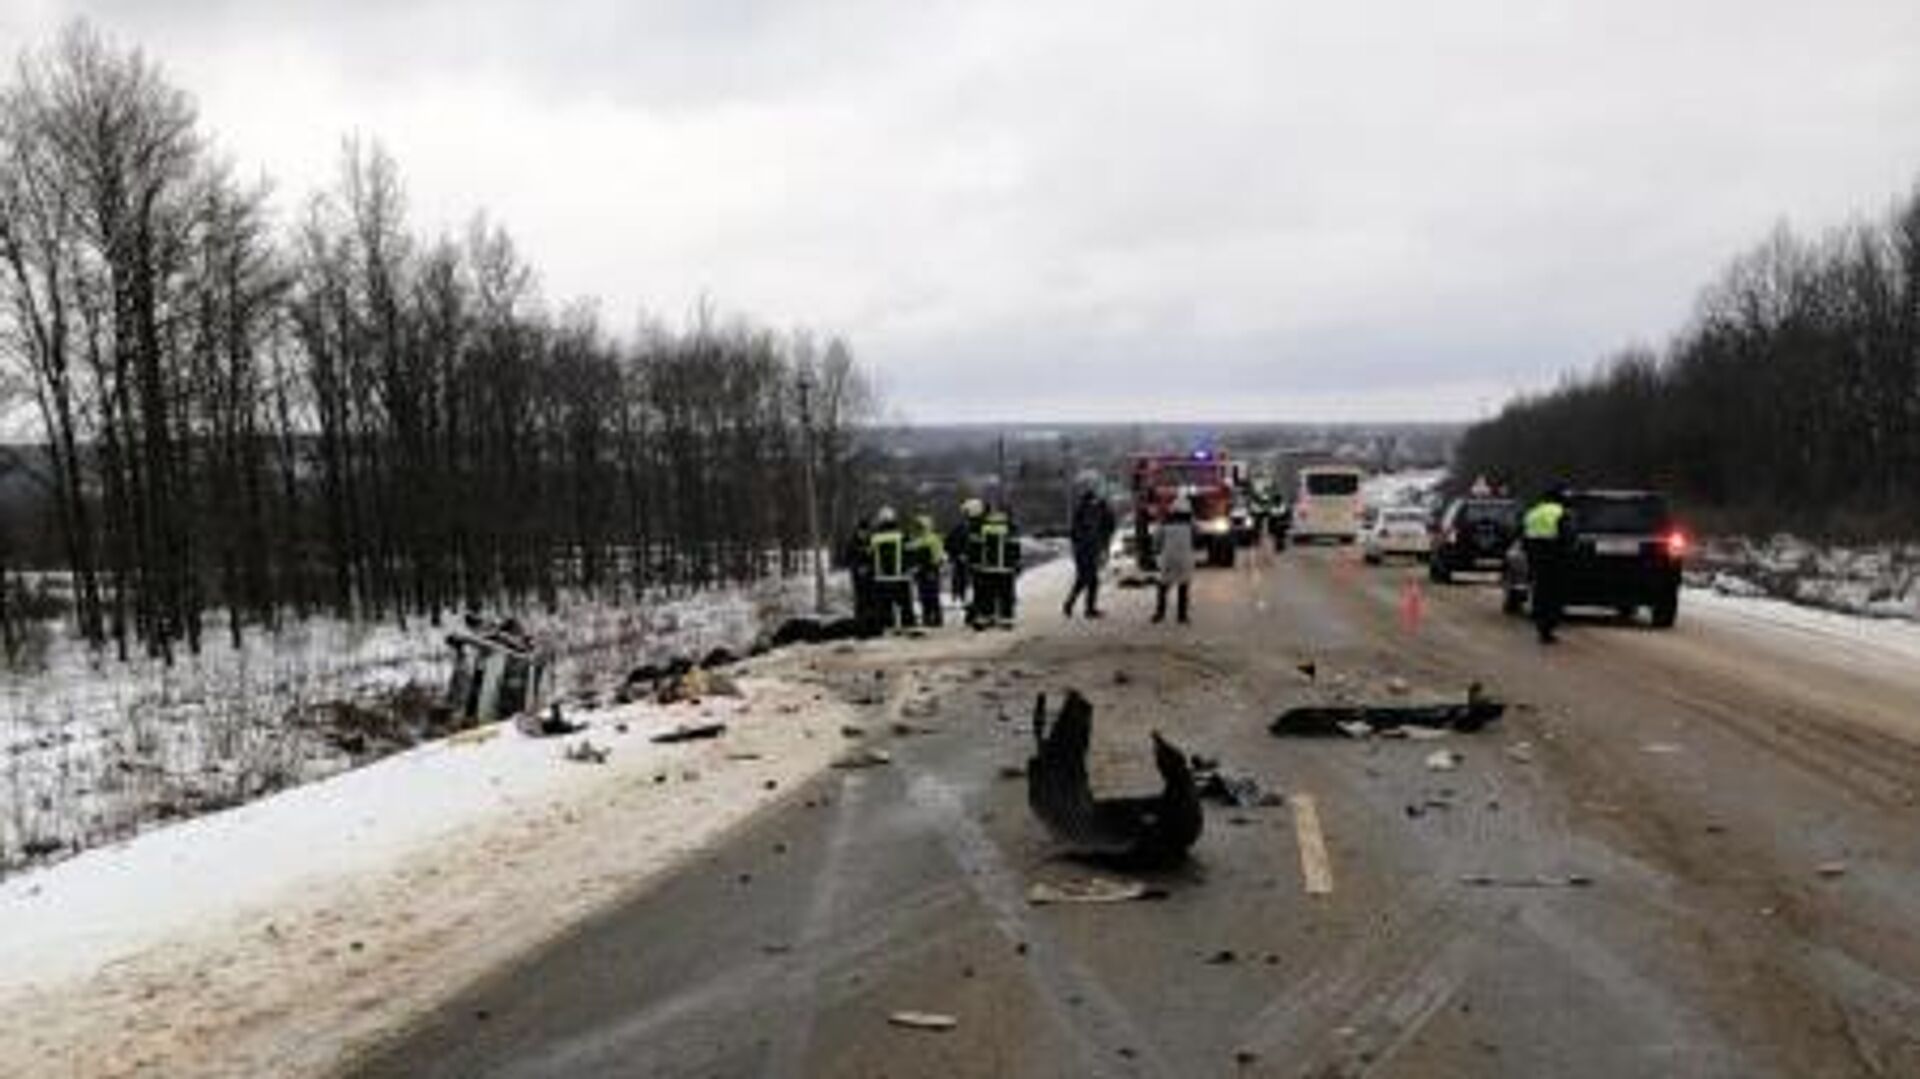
<point x="1092" y="532"/>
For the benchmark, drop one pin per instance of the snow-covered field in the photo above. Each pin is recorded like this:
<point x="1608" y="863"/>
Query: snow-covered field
<point x="263" y="939"/>
<point x="1877" y="581"/>
<point x="1410" y="488"/>
<point x="92" y="749"/>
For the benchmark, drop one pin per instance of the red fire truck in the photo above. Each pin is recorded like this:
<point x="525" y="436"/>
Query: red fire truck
<point x="1209" y="481"/>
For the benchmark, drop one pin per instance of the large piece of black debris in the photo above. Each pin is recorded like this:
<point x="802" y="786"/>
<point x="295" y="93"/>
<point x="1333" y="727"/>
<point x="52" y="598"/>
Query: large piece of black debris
<point x="1332" y="720"/>
<point x="696" y="733"/>
<point x="546" y="724"/>
<point x="717" y="658"/>
<point x="819" y="631"/>
<point x="1238" y="791"/>
<point x="1153" y="830"/>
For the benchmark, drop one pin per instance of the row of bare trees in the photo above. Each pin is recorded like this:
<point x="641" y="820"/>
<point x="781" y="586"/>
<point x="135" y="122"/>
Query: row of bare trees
<point x="1792" y="400"/>
<point x="347" y="416"/>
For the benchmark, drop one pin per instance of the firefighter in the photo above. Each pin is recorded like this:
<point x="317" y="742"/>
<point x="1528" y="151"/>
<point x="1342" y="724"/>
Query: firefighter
<point x="994" y="563"/>
<point x="925" y="555"/>
<point x="1092" y="532"/>
<point x="960" y="548"/>
<point x="1544" y="532"/>
<point x="857" y="556"/>
<point x="892" y="582"/>
<point x="1175" y="557"/>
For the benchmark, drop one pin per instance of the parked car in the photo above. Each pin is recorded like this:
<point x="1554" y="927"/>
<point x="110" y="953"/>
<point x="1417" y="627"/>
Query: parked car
<point x="1473" y="534"/>
<point x="1400" y="530"/>
<point x="1625" y="553"/>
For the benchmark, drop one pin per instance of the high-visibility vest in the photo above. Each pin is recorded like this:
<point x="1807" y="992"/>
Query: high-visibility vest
<point x="991" y="546"/>
<point x="887" y="547"/>
<point x="928" y="541"/>
<point x="1542" y="522"/>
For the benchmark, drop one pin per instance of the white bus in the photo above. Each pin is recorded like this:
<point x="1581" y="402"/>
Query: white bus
<point x="1327" y="504"/>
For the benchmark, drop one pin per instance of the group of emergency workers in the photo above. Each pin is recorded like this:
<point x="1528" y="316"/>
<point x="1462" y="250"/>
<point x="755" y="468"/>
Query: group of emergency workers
<point x="896" y="567"/>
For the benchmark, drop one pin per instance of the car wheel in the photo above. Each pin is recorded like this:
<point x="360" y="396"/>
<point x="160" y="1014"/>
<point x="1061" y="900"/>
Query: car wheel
<point x="1666" y="611"/>
<point x="1438" y="572"/>
<point x="1626" y="612"/>
<point x="1371" y="558"/>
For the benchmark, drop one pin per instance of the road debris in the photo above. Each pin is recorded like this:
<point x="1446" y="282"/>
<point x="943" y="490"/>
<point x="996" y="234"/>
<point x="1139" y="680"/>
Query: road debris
<point x="1662" y="748"/>
<point x="923" y="1020"/>
<point x="1831" y="869"/>
<point x="699" y="732"/>
<point x="585" y="752"/>
<point x="863" y="758"/>
<point x="547" y="725"/>
<point x="1138" y="831"/>
<point x="1520" y="752"/>
<point x="1444" y="760"/>
<point x="1538" y="880"/>
<point x="1239" y="792"/>
<point x="1223" y="957"/>
<point x="1092" y="890"/>
<point x="1360" y="720"/>
<point x="1316" y="871"/>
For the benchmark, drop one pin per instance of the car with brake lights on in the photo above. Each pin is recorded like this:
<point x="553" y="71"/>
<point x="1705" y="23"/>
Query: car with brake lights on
<point x="1473" y="534"/>
<point x="1625" y="552"/>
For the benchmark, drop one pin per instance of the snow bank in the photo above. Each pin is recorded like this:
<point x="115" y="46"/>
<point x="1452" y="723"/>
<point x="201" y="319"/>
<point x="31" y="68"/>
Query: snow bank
<point x="1878" y="581"/>
<point x="264" y="939"/>
<point x="94" y="750"/>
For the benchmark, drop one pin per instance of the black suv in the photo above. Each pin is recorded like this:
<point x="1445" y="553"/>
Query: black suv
<point x="1473" y="534"/>
<point x="1625" y="554"/>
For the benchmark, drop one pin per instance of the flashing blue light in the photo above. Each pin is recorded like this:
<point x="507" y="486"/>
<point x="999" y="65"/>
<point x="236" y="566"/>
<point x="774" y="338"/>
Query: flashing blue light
<point x="1201" y="455"/>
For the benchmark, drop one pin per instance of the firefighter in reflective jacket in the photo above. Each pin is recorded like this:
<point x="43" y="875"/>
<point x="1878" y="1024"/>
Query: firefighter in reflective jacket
<point x="960" y="548"/>
<point x="892" y="584"/>
<point x="1544" y="534"/>
<point x="925" y="557"/>
<point x="995" y="562"/>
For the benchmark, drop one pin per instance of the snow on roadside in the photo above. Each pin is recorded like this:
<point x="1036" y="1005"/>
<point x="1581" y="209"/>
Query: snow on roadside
<point x="268" y="938"/>
<point x="92" y="750"/>
<point x="1877" y="581"/>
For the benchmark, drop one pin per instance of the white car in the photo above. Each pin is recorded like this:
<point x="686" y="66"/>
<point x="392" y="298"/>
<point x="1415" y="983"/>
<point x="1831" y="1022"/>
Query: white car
<point x="1398" y="531"/>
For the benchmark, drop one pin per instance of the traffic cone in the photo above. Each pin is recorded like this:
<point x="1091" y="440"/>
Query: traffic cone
<point x="1413" y="606"/>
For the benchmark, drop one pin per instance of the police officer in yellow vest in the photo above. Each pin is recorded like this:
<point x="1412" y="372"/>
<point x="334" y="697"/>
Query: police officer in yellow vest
<point x="1545" y="532"/>
<point x="892" y="583"/>
<point x="995" y="563"/>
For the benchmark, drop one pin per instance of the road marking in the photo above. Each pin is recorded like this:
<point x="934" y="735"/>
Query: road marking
<point x="1315" y="870"/>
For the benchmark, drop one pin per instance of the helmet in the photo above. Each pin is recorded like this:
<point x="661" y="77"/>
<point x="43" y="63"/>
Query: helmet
<point x="1182" y="504"/>
<point x="884" y="516"/>
<point x="972" y="507"/>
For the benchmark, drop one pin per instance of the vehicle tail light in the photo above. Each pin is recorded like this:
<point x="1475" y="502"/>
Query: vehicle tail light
<point x="1676" y="544"/>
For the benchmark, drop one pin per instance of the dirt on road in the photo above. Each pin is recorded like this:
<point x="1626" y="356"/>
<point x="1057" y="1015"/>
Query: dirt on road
<point x="1689" y="852"/>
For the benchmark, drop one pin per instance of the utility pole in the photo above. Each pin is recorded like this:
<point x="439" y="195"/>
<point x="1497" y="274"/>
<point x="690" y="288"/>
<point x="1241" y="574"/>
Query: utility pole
<point x="813" y="502"/>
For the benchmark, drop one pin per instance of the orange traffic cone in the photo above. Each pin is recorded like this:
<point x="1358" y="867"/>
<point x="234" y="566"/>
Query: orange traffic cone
<point x="1413" y="606"/>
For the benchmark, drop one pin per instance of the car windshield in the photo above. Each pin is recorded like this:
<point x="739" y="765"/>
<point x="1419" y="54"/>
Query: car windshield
<point x="1503" y="513"/>
<point x="1332" y="483"/>
<point x="1637" y="514"/>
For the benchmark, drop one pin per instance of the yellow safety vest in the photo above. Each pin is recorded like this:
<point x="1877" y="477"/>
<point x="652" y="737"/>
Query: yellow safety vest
<point x="888" y="564"/>
<point x="1543" y="521"/>
<point x="994" y="537"/>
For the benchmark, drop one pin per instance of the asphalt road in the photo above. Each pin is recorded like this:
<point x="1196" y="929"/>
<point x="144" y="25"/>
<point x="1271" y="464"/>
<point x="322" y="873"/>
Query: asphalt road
<point x="1742" y="800"/>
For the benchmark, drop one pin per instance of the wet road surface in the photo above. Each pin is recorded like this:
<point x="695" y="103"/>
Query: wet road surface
<point x="1743" y="803"/>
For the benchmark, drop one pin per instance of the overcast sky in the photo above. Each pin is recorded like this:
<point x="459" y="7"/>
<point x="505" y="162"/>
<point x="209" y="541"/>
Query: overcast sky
<point x="1099" y="210"/>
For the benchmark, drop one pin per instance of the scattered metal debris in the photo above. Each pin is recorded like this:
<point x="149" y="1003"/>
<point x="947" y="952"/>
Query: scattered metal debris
<point x="1328" y="720"/>
<point x="550" y="725"/>
<point x="695" y="733"/>
<point x="585" y="752"/>
<point x="1444" y="760"/>
<point x="1538" y="880"/>
<point x="1138" y="831"/>
<point x="863" y="758"/>
<point x="1092" y="890"/>
<point x="1831" y="869"/>
<point x="923" y="1020"/>
<point x="497" y="671"/>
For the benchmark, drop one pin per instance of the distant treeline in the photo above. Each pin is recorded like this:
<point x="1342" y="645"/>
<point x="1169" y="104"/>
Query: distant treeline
<point x="1792" y="400"/>
<point x="347" y="416"/>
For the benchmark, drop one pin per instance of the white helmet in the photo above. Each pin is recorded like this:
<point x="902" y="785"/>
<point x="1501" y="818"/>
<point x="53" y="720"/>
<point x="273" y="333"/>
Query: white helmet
<point x="972" y="507"/>
<point x="1182" y="504"/>
<point x="884" y="516"/>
